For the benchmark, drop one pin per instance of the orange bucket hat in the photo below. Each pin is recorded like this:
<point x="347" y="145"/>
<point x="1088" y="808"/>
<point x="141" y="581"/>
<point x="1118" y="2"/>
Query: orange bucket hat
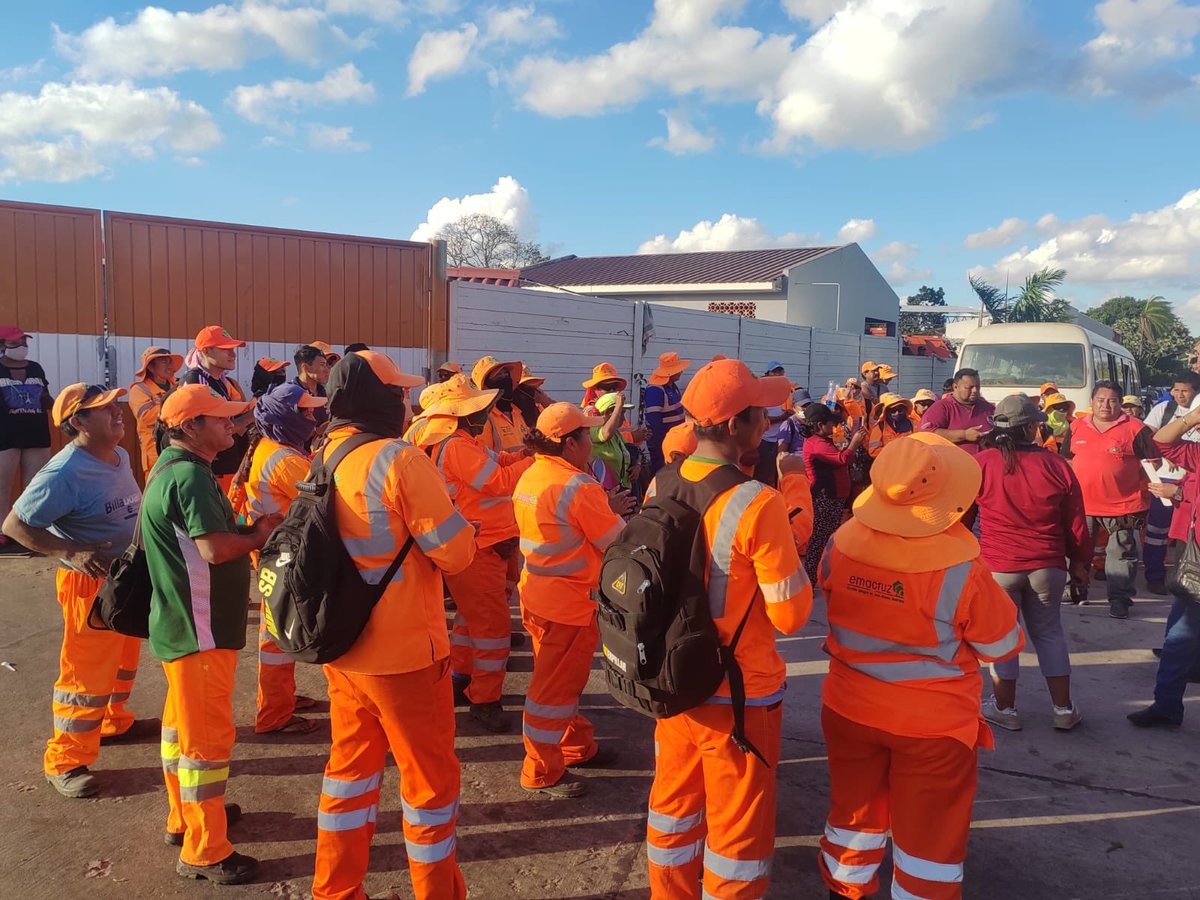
<point x="489" y="364"/>
<point x="924" y="395"/>
<point x="670" y="364"/>
<point x="530" y="379"/>
<point x="722" y="389"/>
<point x="459" y="398"/>
<point x="606" y="371"/>
<point x="1056" y="399"/>
<point x="919" y="487"/>
<point x="150" y="354"/>
<point x="889" y="399"/>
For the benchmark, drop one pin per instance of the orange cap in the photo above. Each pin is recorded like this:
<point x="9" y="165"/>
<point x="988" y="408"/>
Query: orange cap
<point x="331" y="355"/>
<point x="192" y="400"/>
<point x="448" y="366"/>
<point x="919" y="487"/>
<point x="75" y="398"/>
<point x="868" y="366"/>
<point x="214" y="336"/>
<point x="680" y="439"/>
<point x="606" y="371"/>
<point x="150" y="354"/>
<point x="311" y="401"/>
<point x="387" y="371"/>
<point x="1050" y="387"/>
<point x="530" y="379"/>
<point x="267" y="364"/>
<point x="722" y="389"/>
<point x="560" y="419"/>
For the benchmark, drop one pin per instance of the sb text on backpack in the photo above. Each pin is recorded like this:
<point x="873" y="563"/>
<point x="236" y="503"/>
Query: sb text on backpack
<point x="315" y="601"/>
<point x="662" y="653"/>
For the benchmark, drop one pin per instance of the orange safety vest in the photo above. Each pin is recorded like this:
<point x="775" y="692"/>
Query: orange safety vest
<point x="480" y="482"/>
<point x="881" y="436"/>
<point x="565" y="524"/>
<point x="797" y="493"/>
<point x="145" y="400"/>
<point x="904" y="645"/>
<point x="384" y="492"/>
<point x="753" y="562"/>
<point x="505" y="433"/>
<point x="271" y="483"/>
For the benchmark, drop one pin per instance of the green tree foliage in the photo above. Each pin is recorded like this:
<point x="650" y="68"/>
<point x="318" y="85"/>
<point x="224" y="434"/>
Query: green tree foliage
<point x="930" y="323"/>
<point x="1035" y="301"/>
<point x="1156" y="337"/>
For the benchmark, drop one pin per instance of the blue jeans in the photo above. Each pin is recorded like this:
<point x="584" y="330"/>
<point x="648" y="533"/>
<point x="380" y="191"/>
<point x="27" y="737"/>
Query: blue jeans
<point x="1180" y="656"/>
<point x="1154" y="551"/>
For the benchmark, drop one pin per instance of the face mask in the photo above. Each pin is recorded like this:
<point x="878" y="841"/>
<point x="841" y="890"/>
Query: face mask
<point x="475" y="424"/>
<point x="18" y="353"/>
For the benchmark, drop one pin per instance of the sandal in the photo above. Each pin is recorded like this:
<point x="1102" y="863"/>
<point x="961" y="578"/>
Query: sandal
<point x="294" y="725"/>
<point x="303" y="703"/>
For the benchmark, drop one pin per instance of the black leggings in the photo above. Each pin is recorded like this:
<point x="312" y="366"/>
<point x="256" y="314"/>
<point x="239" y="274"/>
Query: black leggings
<point x="827" y="518"/>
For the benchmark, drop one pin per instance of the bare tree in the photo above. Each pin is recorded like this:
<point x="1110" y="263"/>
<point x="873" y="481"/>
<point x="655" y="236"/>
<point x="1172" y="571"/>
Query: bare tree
<point x="485" y="242"/>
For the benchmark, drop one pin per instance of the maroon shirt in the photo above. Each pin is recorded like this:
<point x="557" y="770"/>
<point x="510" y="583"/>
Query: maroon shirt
<point x="828" y="468"/>
<point x="948" y="413"/>
<point x="1033" y="518"/>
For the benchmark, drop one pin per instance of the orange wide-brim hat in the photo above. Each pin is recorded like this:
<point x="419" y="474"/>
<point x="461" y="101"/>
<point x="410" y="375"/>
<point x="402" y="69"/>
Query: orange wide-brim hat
<point x="606" y="371"/>
<point x="150" y="354"/>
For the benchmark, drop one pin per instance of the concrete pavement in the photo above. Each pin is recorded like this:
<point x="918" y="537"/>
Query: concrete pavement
<point x="1105" y="811"/>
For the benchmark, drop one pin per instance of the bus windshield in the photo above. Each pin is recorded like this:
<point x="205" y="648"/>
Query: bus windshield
<point x="1020" y="365"/>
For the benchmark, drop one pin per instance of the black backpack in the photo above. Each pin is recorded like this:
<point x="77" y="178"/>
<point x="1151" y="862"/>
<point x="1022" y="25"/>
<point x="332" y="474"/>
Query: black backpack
<point x="315" y="602"/>
<point x="662" y="653"/>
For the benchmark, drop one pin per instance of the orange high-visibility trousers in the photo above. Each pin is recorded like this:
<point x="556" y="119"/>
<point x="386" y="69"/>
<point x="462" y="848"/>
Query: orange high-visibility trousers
<point x="96" y="670"/>
<point x="413" y="715"/>
<point x="482" y="631"/>
<point x="733" y="837"/>
<point x="197" y="743"/>
<point x="555" y="734"/>
<point x="919" y="788"/>
<point x="276" y="684"/>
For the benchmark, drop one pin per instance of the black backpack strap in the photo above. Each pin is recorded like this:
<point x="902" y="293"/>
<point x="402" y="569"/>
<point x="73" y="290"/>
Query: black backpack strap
<point x="329" y="466"/>
<point x="154" y="473"/>
<point x="737" y="693"/>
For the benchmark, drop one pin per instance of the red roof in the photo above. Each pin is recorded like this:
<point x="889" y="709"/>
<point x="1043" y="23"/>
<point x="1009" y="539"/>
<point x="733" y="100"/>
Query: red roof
<point x="716" y="267"/>
<point x="472" y="275"/>
<point x="928" y="345"/>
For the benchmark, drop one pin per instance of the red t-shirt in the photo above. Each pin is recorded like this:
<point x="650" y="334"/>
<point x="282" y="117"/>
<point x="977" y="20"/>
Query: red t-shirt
<point x="948" y="413"/>
<point x="1032" y="518"/>
<point x="1108" y="464"/>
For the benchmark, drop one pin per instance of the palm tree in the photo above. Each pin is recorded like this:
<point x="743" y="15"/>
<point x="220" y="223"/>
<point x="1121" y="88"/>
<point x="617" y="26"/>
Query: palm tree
<point x="1154" y="317"/>
<point x="1036" y="301"/>
<point x="993" y="300"/>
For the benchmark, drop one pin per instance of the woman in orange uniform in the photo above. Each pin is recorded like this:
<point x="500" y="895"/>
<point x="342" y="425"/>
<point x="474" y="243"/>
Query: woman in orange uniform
<point x="566" y="521"/>
<point x="284" y="416"/>
<point x="893" y="421"/>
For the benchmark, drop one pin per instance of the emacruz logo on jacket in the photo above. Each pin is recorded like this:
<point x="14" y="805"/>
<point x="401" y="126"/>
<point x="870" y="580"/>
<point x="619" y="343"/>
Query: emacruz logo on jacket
<point x="878" y="589"/>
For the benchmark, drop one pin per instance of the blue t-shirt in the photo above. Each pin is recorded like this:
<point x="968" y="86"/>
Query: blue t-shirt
<point x="80" y="498"/>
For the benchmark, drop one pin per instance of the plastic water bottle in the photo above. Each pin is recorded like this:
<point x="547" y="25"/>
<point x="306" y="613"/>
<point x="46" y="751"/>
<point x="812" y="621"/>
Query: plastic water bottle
<point x="830" y="399"/>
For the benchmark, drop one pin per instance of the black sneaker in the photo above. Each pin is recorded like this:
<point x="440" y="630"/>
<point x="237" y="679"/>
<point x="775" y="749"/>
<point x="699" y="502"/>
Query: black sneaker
<point x="142" y="730"/>
<point x="233" y="813"/>
<point x="233" y="869"/>
<point x="460" y="691"/>
<point x="491" y="716"/>
<point x="1152" y="718"/>
<point x="1157" y="587"/>
<point x="75" y="784"/>
<point x="567" y="788"/>
<point x="1118" y="612"/>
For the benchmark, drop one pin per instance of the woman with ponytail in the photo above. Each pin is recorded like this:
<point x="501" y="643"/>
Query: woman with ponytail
<point x="1032" y="528"/>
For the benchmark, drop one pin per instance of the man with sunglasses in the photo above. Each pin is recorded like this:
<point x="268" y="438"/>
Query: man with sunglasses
<point x="81" y="507"/>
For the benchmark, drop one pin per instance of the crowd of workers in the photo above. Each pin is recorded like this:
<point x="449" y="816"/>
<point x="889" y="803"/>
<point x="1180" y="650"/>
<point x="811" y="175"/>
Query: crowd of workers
<point x="931" y="528"/>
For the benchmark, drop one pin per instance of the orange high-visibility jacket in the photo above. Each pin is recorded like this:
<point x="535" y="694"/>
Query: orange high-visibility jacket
<point x="271" y="483"/>
<point x="385" y="491"/>
<point x="797" y="494"/>
<point x="565" y="524"/>
<point x="480" y="482"/>
<point x="753" y="560"/>
<point x="505" y="432"/>
<point x="145" y="400"/>
<point x="905" y="645"/>
<point x="881" y="435"/>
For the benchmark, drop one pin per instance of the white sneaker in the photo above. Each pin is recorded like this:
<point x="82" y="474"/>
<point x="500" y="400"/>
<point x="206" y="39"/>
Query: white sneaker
<point x="1005" y="718"/>
<point x="1066" y="718"/>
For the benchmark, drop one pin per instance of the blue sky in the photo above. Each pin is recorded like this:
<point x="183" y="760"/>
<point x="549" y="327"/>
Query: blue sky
<point x="946" y="136"/>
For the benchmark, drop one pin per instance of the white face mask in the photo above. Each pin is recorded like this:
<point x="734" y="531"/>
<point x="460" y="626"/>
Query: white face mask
<point x="18" y="353"/>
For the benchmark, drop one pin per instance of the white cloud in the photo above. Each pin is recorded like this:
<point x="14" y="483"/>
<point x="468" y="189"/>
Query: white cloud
<point x="1138" y="38"/>
<point x="377" y="10"/>
<point x="519" y="25"/>
<point x="683" y="137"/>
<point x="899" y="255"/>
<point x="730" y="232"/>
<point x="507" y="201"/>
<point x="1001" y="236"/>
<point x="70" y="131"/>
<point x="1153" y="251"/>
<point x="160" y="42"/>
<point x="815" y="12"/>
<point x="439" y="54"/>
<point x="684" y="49"/>
<point x="263" y="103"/>
<point x="335" y="137"/>
<point x="857" y="230"/>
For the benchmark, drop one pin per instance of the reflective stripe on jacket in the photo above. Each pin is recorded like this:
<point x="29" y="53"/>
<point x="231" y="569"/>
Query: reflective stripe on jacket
<point x="145" y="400"/>
<point x="480" y="482"/>
<point x="565" y="524"/>
<point x="271" y="484"/>
<point x="385" y="491"/>
<point x="905" y="647"/>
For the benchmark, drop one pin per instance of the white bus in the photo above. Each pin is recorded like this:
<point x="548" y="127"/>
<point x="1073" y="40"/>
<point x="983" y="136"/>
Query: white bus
<point x="1020" y="358"/>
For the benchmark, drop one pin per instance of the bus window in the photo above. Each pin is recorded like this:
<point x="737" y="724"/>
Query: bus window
<point x="1027" y="365"/>
<point x="1103" y="364"/>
